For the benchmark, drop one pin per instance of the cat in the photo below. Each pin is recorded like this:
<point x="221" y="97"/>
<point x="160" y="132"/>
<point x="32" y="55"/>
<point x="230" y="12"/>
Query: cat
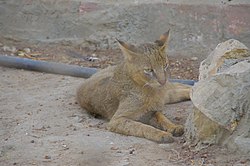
<point x="132" y="94"/>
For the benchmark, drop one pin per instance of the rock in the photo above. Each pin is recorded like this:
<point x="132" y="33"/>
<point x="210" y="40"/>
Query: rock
<point x="9" y="49"/>
<point x="227" y="93"/>
<point x="194" y="58"/>
<point x="225" y="55"/>
<point x="47" y="157"/>
<point x="221" y="99"/>
<point x="27" y="50"/>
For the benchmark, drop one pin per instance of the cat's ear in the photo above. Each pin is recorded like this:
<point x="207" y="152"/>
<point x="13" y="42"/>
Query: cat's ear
<point x="128" y="50"/>
<point x="162" y="42"/>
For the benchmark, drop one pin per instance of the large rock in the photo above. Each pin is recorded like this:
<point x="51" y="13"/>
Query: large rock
<point x="221" y="99"/>
<point x="224" y="55"/>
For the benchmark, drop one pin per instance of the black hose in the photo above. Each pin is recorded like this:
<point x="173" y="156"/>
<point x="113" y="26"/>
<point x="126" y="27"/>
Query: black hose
<point x="48" y="67"/>
<point x="188" y="82"/>
<point x="58" y="68"/>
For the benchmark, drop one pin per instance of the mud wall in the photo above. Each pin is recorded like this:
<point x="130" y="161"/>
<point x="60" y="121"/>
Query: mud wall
<point x="196" y="26"/>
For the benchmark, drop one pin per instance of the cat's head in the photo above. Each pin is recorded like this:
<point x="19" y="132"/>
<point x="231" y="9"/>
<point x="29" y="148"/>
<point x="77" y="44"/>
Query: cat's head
<point x="148" y="62"/>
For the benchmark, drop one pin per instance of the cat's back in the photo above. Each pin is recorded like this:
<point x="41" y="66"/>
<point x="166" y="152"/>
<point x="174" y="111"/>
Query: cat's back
<point x="96" y="94"/>
<point x="103" y="74"/>
<point x="100" y="80"/>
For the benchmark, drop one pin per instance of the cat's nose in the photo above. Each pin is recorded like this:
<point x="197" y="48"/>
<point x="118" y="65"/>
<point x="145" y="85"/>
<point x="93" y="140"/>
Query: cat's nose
<point x="162" y="82"/>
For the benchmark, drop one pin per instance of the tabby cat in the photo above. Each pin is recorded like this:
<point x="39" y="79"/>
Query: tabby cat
<point x="132" y="94"/>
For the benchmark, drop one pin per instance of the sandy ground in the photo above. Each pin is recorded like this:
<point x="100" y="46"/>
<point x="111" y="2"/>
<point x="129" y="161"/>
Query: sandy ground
<point x="41" y="124"/>
<point x="182" y="67"/>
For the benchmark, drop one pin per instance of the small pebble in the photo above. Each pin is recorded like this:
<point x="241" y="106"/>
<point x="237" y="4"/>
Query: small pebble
<point x="27" y="50"/>
<point x="65" y="146"/>
<point x="244" y="161"/>
<point x="32" y="141"/>
<point x="194" y="58"/>
<point x="114" y="148"/>
<point x="47" y="157"/>
<point x="132" y="151"/>
<point x="10" y="49"/>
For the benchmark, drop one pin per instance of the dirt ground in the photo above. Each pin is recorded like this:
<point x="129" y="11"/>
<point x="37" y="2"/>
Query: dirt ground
<point x="42" y="124"/>
<point x="67" y="52"/>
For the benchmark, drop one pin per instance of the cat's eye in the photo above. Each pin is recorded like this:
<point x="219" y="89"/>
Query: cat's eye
<point x="148" y="71"/>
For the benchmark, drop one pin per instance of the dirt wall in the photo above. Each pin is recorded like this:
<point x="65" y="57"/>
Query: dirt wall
<point x="196" y="26"/>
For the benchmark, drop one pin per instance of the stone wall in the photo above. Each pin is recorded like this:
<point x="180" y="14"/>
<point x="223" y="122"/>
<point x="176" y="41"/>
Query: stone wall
<point x="196" y="26"/>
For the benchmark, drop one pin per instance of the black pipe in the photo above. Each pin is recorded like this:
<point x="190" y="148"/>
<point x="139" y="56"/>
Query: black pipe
<point x="44" y="66"/>
<point x="58" y="68"/>
<point x="188" y="82"/>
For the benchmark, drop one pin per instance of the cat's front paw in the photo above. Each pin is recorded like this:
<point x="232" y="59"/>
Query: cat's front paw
<point x="166" y="137"/>
<point x="177" y="131"/>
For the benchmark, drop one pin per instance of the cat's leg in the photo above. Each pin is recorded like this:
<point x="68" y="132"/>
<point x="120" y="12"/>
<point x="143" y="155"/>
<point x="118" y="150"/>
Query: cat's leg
<point x="164" y="123"/>
<point x="176" y="92"/>
<point x="133" y="128"/>
<point x="124" y="122"/>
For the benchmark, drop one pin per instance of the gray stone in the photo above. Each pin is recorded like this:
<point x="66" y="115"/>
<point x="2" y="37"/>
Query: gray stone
<point x="27" y="50"/>
<point x="194" y="58"/>
<point x="9" y="49"/>
<point x="221" y="99"/>
<point x="224" y="55"/>
<point x="224" y="97"/>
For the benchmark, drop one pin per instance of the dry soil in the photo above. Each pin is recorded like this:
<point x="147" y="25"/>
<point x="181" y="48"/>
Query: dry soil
<point x="42" y="124"/>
